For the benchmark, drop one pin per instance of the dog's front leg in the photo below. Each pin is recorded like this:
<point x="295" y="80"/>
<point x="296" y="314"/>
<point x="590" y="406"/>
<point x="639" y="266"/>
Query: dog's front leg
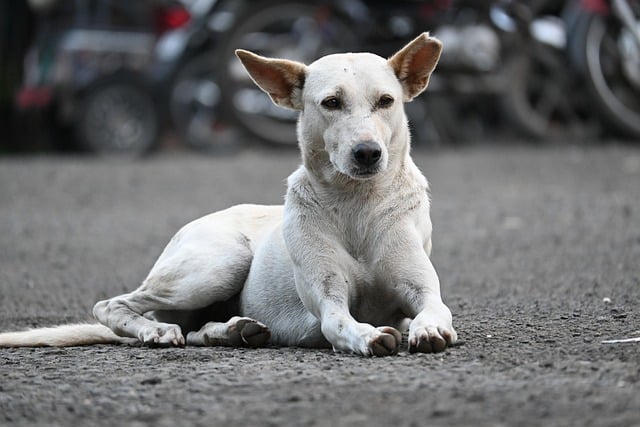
<point x="431" y="330"/>
<point x="325" y="293"/>
<point x="324" y="275"/>
<point x="418" y="287"/>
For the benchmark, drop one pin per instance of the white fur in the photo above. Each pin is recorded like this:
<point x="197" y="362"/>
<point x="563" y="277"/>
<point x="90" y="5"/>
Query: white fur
<point x="346" y="260"/>
<point x="62" y="336"/>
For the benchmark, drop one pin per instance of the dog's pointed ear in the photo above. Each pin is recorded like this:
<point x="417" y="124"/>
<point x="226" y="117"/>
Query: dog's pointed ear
<point x="280" y="78"/>
<point x="414" y="63"/>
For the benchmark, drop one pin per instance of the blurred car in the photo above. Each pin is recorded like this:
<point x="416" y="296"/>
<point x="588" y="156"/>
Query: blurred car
<point x="89" y="66"/>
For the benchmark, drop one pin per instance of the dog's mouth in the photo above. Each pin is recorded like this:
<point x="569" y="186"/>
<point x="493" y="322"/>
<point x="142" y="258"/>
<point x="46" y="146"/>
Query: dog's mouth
<point x="365" y="173"/>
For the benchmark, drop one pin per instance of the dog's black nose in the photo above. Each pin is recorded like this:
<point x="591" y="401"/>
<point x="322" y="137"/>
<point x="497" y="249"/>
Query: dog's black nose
<point x="367" y="153"/>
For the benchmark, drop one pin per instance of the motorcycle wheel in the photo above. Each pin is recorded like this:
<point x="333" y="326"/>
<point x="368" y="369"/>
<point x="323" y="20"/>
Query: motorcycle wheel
<point x="118" y="119"/>
<point x="543" y="101"/>
<point x="610" y="62"/>
<point x="292" y="30"/>
<point x="194" y="106"/>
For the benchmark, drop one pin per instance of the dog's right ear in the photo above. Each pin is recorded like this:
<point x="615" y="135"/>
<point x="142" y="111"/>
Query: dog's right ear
<point x="280" y="78"/>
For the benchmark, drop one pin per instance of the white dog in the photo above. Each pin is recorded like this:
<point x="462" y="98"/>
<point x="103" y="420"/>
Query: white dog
<point x="344" y="263"/>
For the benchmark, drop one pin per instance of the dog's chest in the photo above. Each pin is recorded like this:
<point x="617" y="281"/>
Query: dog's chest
<point x="359" y="228"/>
<point x="372" y="299"/>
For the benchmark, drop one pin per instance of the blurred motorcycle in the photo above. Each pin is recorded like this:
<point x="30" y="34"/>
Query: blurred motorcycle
<point x="295" y="30"/>
<point x="542" y="97"/>
<point x="304" y="31"/>
<point x="502" y="59"/>
<point x="604" y="46"/>
<point x="185" y="58"/>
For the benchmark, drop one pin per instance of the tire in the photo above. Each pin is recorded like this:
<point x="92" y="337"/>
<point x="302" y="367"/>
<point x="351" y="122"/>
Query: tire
<point x="284" y="29"/>
<point x="611" y="77"/>
<point x="195" y="107"/>
<point x="543" y="101"/>
<point x="118" y="119"/>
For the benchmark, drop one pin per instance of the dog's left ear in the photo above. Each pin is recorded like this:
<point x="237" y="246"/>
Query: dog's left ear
<point x="414" y="63"/>
<point x="280" y="78"/>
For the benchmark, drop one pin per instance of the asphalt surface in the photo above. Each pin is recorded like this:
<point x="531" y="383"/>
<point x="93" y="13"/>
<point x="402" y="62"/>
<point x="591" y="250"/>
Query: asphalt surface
<point x="538" y="251"/>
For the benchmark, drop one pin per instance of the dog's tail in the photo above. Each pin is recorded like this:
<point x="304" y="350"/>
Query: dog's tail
<point x="63" y="336"/>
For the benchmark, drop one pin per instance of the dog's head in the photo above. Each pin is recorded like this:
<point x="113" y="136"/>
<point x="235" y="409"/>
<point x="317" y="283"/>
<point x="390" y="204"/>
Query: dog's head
<point x="352" y="119"/>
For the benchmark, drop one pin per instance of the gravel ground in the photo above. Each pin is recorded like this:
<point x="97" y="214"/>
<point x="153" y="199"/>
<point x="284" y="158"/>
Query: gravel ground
<point x="538" y="250"/>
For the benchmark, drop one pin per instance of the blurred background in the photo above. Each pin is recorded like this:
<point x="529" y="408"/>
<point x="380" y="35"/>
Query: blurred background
<point x="123" y="77"/>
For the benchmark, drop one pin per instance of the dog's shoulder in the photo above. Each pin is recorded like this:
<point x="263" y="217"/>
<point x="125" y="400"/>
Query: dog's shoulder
<point x="300" y="191"/>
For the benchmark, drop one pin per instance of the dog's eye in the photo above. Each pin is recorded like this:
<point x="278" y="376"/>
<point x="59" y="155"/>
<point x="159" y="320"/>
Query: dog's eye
<point x="385" y="101"/>
<point x="332" y="103"/>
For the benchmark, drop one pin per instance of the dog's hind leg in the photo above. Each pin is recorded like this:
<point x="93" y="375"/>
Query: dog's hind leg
<point x="187" y="282"/>
<point x="124" y="315"/>
<point x="205" y="263"/>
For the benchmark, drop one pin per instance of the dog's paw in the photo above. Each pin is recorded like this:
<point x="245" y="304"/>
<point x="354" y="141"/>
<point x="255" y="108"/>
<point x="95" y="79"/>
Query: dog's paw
<point x="161" y="335"/>
<point x="364" y="339"/>
<point x="246" y="332"/>
<point x="385" y="343"/>
<point x="237" y="332"/>
<point x="431" y="339"/>
<point x="432" y="331"/>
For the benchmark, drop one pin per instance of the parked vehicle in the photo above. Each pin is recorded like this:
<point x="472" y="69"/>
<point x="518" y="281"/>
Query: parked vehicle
<point x="604" y="46"/>
<point x="307" y="30"/>
<point x="551" y="70"/>
<point x="495" y="58"/>
<point x="186" y="67"/>
<point x="543" y="96"/>
<point x="526" y="61"/>
<point x="89" y="66"/>
<point x="295" y="30"/>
